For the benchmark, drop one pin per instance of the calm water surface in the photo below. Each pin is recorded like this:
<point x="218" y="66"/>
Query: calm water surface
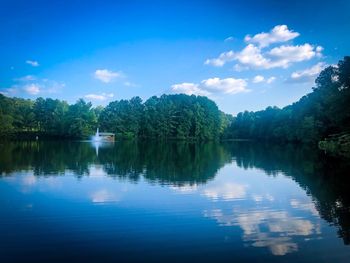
<point x="162" y="202"/>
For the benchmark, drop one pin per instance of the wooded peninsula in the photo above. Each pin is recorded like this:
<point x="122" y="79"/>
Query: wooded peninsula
<point x="323" y="114"/>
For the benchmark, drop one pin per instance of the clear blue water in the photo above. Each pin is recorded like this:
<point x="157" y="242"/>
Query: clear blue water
<point x="174" y="201"/>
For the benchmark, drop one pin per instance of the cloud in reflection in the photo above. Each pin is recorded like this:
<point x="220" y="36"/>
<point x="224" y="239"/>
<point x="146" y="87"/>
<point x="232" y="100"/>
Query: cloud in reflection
<point x="185" y="189"/>
<point x="267" y="228"/>
<point x="305" y="206"/>
<point x="219" y="190"/>
<point x="29" y="180"/>
<point x="104" y="196"/>
<point x="260" y="198"/>
<point x="227" y="191"/>
<point x="279" y="246"/>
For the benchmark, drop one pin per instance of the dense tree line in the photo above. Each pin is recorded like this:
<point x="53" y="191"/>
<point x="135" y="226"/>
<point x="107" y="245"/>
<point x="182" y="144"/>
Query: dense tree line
<point x="169" y="116"/>
<point x="324" y="111"/>
<point x="46" y="117"/>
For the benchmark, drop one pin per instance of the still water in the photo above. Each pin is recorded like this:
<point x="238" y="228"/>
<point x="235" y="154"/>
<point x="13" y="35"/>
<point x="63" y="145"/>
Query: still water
<point x="174" y="201"/>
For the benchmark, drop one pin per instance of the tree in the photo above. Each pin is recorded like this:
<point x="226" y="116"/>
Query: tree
<point x="80" y="120"/>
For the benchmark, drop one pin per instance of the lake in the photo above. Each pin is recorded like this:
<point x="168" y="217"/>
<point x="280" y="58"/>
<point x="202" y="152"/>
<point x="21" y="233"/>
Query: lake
<point x="70" y="201"/>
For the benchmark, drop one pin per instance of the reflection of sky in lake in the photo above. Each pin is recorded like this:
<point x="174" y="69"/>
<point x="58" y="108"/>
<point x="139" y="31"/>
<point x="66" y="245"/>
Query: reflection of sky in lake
<point x="270" y="211"/>
<point x="263" y="212"/>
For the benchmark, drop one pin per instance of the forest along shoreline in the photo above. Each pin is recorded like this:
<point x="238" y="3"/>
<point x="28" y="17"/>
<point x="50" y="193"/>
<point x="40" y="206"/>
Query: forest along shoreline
<point x="321" y="117"/>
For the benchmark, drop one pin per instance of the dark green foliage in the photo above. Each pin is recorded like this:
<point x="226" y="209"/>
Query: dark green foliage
<point x="46" y="117"/>
<point x="80" y="120"/>
<point x="50" y="115"/>
<point x="337" y="144"/>
<point x="326" y="110"/>
<point x="16" y="115"/>
<point x="122" y="117"/>
<point x="169" y="116"/>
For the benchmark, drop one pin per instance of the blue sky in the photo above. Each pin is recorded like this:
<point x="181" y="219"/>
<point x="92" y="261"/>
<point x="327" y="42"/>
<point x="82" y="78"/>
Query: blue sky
<point x="245" y="55"/>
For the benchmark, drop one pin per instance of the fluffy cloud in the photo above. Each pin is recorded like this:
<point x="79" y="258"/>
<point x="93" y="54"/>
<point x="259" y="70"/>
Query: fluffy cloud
<point x="251" y="56"/>
<point x="278" y="34"/>
<point x="106" y="75"/>
<point x="255" y="55"/>
<point x="32" y="63"/>
<point x="189" y="89"/>
<point x="279" y="57"/>
<point x="258" y="79"/>
<point x="32" y="89"/>
<point x="261" y="79"/>
<point x="283" y="56"/>
<point x="307" y="75"/>
<point x="101" y="97"/>
<point x="221" y="60"/>
<point x="212" y="86"/>
<point x="227" y="86"/>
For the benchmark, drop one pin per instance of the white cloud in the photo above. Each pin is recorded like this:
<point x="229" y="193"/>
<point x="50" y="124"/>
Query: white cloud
<point x="279" y="57"/>
<point x="33" y="86"/>
<point x="212" y="86"/>
<point x="283" y="56"/>
<point x="32" y="89"/>
<point x="255" y="55"/>
<point x="32" y="63"/>
<point x="102" y="96"/>
<point x="227" y="86"/>
<point x="251" y="56"/>
<point x="270" y="80"/>
<point x="229" y="39"/>
<point x="106" y="75"/>
<point x="262" y="79"/>
<point x="221" y="60"/>
<point x="189" y="89"/>
<point x="258" y="79"/>
<point x="307" y="75"/>
<point x="239" y="68"/>
<point x="278" y="34"/>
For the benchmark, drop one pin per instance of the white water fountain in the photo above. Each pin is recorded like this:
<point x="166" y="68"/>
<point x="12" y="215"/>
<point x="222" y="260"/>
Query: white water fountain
<point x="96" y="140"/>
<point x="96" y="137"/>
<point x="103" y="139"/>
